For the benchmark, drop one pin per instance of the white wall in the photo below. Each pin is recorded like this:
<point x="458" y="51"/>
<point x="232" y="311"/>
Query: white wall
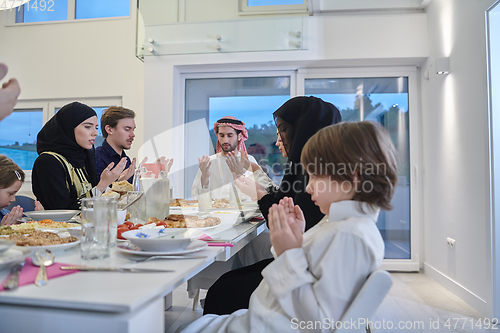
<point x="455" y="152"/>
<point x="74" y="60"/>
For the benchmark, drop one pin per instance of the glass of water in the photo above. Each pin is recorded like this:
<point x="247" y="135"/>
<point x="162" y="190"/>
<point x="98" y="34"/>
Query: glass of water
<point x="98" y="227"/>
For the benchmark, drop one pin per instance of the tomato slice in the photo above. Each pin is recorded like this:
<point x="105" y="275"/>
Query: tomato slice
<point x="134" y="227"/>
<point x="120" y="232"/>
<point x="138" y="225"/>
<point x="161" y="223"/>
<point x="130" y="224"/>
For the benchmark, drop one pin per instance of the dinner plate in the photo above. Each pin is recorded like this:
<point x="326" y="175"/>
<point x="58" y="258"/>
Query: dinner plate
<point x="196" y="245"/>
<point x="13" y="255"/>
<point x="18" y="227"/>
<point x="26" y="219"/>
<point x="58" y="247"/>
<point x="57" y="215"/>
<point x="5" y="245"/>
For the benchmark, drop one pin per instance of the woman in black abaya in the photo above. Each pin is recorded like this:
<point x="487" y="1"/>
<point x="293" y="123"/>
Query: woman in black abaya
<point x="297" y="120"/>
<point x="64" y="171"/>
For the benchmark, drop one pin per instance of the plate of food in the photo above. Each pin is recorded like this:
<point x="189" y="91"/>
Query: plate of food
<point x="58" y="215"/>
<point x="37" y="239"/>
<point x="14" y="255"/>
<point x="221" y="203"/>
<point x="183" y="221"/>
<point x="129" y="248"/>
<point x="183" y="204"/>
<point x="46" y="225"/>
<point x="5" y="245"/>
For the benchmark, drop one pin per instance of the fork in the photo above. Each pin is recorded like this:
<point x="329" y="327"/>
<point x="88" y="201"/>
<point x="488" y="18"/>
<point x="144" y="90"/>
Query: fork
<point x="166" y="257"/>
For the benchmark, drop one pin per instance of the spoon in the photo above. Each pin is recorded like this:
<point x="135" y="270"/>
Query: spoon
<point x="42" y="258"/>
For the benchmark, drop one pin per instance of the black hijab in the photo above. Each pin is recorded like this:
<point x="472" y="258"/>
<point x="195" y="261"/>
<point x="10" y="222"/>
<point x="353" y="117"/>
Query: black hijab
<point x="306" y="116"/>
<point x="58" y="135"/>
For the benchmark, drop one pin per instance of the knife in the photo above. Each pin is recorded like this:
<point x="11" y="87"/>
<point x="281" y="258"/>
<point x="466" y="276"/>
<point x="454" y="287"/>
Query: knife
<point x="13" y="280"/>
<point x="116" y="269"/>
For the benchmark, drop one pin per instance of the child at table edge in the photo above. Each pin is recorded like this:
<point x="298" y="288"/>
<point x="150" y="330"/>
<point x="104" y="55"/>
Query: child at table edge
<point x="317" y="274"/>
<point x="11" y="180"/>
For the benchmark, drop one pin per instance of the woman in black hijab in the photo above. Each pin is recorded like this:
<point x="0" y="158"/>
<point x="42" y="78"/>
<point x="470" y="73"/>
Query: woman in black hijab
<point x="297" y="120"/>
<point x="64" y="171"/>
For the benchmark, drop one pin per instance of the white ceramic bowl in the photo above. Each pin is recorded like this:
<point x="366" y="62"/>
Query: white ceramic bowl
<point x="57" y="215"/>
<point x="226" y="217"/>
<point x="157" y="240"/>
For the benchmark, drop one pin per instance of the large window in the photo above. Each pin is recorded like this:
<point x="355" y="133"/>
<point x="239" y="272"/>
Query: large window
<point x="62" y="10"/>
<point x="18" y="132"/>
<point x="385" y="100"/>
<point x="257" y="7"/>
<point x="377" y="94"/>
<point x="86" y="9"/>
<point x="18" y="136"/>
<point x="250" y="99"/>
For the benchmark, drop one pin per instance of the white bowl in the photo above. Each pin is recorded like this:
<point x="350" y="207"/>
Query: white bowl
<point x="57" y="215"/>
<point x="226" y="217"/>
<point x="159" y="239"/>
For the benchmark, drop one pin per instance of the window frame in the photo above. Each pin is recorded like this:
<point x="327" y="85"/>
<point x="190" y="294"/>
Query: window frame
<point x="11" y="16"/>
<point x="416" y="206"/>
<point x="244" y="9"/>
<point x="26" y="104"/>
<point x="179" y="107"/>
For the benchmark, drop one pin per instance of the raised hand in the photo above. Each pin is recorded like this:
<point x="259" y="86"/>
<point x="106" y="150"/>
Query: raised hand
<point x="9" y="92"/>
<point x="144" y="160"/>
<point x="12" y="217"/>
<point x="38" y="206"/>
<point x="249" y="187"/>
<point x="235" y="164"/>
<point x="284" y="231"/>
<point x="204" y="163"/>
<point x="294" y="211"/>
<point x="111" y="174"/>
<point x="129" y="172"/>
<point x="167" y="162"/>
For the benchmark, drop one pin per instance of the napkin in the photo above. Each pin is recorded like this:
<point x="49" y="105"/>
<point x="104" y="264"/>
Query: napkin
<point x="207" y="238"/>
<point x="256" y="220"/>
<point x="29" y="272"/>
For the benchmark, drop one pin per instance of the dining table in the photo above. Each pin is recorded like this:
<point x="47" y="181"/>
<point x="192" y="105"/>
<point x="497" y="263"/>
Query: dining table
<point x="96" y="301"/>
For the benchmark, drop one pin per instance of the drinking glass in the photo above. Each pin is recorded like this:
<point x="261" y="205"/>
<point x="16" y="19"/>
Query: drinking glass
<point x="204" y="201"/>
<point x="137" y="209"/>
<point x="98" y="227"/>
